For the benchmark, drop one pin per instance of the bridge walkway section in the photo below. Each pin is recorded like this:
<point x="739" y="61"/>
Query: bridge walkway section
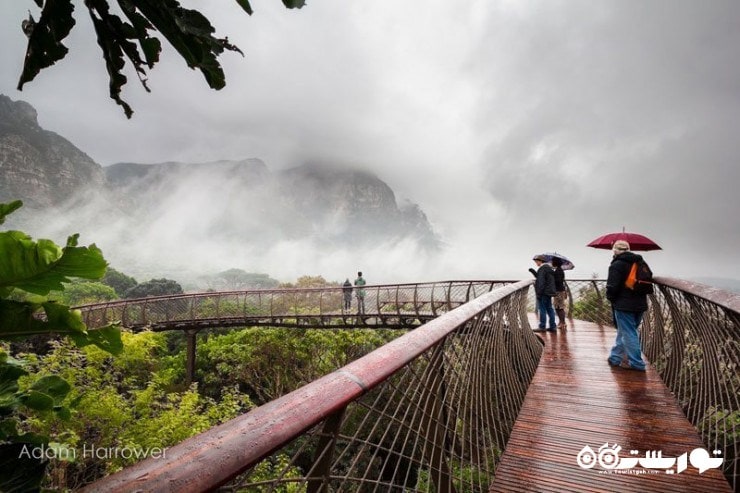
<point x="576" y="400"/>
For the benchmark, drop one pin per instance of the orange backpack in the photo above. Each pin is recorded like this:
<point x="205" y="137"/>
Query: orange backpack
<point x="640" y="278"/>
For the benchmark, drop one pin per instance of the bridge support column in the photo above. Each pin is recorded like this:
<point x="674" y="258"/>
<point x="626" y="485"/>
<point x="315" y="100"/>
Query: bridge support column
<point x="190" y="361"/>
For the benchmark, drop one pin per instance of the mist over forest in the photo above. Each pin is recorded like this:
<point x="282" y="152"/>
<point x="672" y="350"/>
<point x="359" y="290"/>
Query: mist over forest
<point x="186" y="220"/>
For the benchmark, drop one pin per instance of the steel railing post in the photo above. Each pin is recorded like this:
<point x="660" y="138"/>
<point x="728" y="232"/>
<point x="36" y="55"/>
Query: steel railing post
<point x="320" y="473"/>
<point x="432" y="423"/>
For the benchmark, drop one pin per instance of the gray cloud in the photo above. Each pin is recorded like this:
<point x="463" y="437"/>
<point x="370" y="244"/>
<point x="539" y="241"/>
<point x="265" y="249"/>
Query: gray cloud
<point x="517" y="126"/>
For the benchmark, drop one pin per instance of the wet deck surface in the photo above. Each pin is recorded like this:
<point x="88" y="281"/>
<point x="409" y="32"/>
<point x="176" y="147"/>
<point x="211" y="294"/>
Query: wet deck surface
<point x="575" y="400"/>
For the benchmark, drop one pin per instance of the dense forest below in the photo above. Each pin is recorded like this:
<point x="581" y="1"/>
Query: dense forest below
<point x="77" y="405"/>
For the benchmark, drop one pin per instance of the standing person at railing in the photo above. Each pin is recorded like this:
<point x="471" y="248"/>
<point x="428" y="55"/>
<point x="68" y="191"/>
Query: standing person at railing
<point x="360" y="293"/>
<point x="628" y="308"/>
<point x="347" y="291"/>
<point x="544" y="290"/>
<point x="560" y="293"/>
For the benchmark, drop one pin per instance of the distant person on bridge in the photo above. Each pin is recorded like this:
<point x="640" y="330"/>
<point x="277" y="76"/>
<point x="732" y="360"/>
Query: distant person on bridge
<point x="544" y="289"/>
<point x="628" y="308"/>
<point x="347" y="290"/>
<point x="360" y="293"/>
<point x="560" y="294"/>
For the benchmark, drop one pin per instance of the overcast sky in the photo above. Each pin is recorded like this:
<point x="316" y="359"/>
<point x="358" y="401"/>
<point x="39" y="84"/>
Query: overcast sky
<point x="518" y="127"/>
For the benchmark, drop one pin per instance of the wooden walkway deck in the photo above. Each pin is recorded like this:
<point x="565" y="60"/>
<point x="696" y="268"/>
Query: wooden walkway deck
<point x="576" y="399"/>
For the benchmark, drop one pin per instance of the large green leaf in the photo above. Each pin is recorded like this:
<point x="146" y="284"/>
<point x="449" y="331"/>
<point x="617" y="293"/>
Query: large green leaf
<point x="106" y="338"/>
<point x="52" y="385"/>
<point x="10" y="371"/>
<point x="36" y="400"/>
<point x="22" y="319"/>
<point x="6" y="209"/>
<point x="42" y="266"/>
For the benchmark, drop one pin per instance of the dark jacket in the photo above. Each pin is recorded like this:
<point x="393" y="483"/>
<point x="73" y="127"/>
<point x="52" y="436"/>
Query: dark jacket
<point x="545" y="282"/>
<point x="621" y="297"/>
<point x="559" y="279"/>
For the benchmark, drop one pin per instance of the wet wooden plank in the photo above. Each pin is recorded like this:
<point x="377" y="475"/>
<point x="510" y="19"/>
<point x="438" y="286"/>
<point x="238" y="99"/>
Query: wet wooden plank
<point x="575" y="400"/>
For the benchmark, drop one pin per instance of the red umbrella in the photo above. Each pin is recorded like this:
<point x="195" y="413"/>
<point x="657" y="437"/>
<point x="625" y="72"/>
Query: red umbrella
<point x="636" y="241"/>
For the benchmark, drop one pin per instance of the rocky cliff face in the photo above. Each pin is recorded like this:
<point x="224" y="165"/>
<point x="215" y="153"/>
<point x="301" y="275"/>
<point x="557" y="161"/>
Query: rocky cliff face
<point x="352" y="205"/>
<point x="37" y="166"/>
<point x="331" y="204"/>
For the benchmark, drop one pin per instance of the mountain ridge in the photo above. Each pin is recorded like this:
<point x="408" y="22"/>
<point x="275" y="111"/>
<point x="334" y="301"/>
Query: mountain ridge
<point x="138" y="211"/>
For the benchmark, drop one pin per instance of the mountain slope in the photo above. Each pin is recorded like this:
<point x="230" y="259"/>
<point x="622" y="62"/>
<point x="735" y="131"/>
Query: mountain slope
<point x="40" y="167"/>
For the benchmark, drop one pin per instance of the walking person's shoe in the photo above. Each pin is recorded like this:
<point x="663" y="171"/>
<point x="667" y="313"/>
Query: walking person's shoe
<point x="627" y="366"/>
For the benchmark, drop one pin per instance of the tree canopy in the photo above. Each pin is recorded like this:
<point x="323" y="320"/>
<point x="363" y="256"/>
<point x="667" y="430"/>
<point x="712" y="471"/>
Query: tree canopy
<point x="154" y="287"/>
<point x="130" y="38"/>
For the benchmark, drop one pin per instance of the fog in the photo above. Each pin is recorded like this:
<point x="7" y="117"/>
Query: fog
<point x="518" y="127"/>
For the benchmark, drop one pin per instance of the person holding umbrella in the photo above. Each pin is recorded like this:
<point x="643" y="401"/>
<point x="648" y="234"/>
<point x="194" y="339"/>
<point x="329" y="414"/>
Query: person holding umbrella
<point x="628" y="308"/>
<point x="544" y="290"/>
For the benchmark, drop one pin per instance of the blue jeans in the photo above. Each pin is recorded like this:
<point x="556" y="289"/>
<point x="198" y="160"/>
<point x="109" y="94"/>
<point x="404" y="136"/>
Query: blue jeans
<point x="628" y="339"/>
<point x="544" y="306"/>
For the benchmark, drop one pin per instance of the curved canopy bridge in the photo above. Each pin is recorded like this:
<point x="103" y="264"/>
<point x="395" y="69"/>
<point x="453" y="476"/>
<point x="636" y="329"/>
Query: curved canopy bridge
<point x="396" y="306"/>
<point x="471" y="400"/>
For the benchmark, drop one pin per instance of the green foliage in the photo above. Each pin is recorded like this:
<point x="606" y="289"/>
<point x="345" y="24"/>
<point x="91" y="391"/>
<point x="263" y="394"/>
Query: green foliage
<point x="309" y="282"/>
<point x="129" y="39"/>
<point x="237" y="279"/>
<point x="29" y="271"/>
<point x="246" y="358"/>
<point x="278" y="466"/>
<point x="7" y="209"/>
<point x="128" y="402"/>
<point x="40" y="267"/>
<point x="79" y="293"/>
<point x="119" y="281"/>
<point x="154" y="287"/>
<point x="37" y="268"/>
<point x="592" y="306"/>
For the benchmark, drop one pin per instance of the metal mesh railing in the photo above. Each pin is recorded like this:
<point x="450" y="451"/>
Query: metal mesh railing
<point x="429" y="411"/>
<point x="397" y="305"/>
<point x="691" y="336"/>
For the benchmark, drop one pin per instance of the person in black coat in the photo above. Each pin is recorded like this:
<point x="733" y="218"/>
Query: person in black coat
<point x="347" y="291"/>
<point x="544" y="290"/>
<point x="561" y="296"/>
<point x="628" y="308"/>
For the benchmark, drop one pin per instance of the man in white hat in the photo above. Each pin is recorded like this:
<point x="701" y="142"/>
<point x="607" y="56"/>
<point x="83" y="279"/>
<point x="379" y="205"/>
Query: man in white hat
<point x="628" y="308"/>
